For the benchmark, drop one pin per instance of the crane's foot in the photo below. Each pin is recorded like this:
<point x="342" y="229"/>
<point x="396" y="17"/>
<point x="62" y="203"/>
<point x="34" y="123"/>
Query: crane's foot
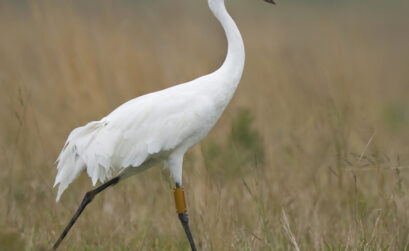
<point x="182" y="213"/>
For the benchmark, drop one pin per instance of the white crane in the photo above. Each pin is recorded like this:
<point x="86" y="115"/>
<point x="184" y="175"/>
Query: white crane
<point x="156" y="127"/>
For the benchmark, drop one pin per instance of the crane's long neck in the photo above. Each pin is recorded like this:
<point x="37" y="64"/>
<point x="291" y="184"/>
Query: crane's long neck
<point x="233" y="65"/>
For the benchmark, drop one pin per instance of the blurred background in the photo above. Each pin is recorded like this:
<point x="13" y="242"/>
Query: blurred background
<point x="312" y="152"/>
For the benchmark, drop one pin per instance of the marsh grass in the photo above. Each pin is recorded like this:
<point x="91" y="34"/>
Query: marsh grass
<point x="312" y="153"/>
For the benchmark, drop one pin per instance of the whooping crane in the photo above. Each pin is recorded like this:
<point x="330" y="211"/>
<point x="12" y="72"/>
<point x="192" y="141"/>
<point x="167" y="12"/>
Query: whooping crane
<point x="156" y="127"/>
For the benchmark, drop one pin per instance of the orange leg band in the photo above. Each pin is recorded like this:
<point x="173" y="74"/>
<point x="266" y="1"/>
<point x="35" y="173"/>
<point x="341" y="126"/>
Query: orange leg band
<point x="180" y="201"/>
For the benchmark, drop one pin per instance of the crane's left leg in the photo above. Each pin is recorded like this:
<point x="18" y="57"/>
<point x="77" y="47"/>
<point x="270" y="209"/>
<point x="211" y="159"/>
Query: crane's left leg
<point x="89" y="196"/>
<point x="182" y="212"/>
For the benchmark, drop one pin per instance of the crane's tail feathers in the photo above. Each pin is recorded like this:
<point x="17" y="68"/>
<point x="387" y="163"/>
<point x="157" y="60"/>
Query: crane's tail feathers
<point x="73" y="159"/>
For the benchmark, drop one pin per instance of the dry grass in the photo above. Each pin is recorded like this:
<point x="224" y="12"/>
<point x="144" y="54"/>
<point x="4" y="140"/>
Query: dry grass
<point x="313" y="152"/>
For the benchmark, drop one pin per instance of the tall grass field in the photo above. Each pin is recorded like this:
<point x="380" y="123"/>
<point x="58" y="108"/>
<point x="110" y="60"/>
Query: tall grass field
<point x="311" y="154"/>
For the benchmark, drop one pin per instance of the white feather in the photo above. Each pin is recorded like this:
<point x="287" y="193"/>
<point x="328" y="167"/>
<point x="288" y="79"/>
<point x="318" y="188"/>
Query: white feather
<point x="160" y="126"/>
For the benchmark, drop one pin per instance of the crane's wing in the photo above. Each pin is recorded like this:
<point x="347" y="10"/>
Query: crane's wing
<point x="149" y="125"/>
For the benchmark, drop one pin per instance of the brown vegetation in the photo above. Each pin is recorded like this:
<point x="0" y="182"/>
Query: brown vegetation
<point x="313" y="152"/>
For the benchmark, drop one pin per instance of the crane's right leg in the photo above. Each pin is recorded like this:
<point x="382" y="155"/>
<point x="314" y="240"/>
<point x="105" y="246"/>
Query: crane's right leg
<point x="89" y="196"/>
<point x="182" y="213"/>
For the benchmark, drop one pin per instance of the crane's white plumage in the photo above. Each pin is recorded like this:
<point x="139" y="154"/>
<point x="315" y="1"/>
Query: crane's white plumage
<point x="159" y="126"/>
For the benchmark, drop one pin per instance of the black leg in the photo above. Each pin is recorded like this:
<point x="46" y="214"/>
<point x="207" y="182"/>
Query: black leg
<point x="183" y="217"/>
<point x="89" y="196"/>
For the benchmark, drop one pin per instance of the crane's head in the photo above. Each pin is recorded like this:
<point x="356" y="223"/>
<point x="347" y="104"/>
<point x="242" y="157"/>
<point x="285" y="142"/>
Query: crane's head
<point x="270" y="1"/>
<point x="211" y="2"/>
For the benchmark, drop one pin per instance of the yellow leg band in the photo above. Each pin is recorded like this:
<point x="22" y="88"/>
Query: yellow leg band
<point x="180" y="201"/>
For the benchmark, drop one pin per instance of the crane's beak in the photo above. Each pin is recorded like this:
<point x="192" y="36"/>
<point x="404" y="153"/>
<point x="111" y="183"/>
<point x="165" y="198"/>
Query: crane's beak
<point x="270" y="1"/>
